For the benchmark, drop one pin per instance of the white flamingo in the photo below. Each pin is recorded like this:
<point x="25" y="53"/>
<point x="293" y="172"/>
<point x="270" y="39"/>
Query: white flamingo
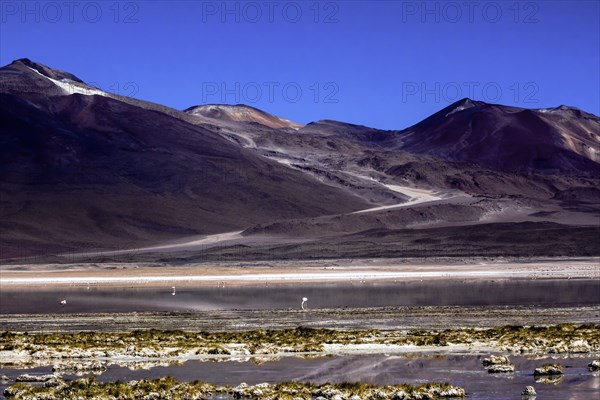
<point x="304" y="300"/>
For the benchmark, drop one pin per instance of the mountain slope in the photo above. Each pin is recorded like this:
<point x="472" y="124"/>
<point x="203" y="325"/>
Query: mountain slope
<point x="560" y="140"/>
<point x="91" y="170"/>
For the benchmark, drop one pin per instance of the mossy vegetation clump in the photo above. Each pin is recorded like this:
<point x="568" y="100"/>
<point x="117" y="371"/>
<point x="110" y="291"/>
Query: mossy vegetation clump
<point x="549" y="369"/>
<point x="299" y="339"/>
<point x="170" y="388"/>
<point x="152" y="344"/>
<point x="561" y="338"/>
<point x="498" y="364"/>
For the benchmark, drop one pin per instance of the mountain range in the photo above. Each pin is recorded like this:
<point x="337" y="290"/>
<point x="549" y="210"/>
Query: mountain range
<point x="84" y="169"/>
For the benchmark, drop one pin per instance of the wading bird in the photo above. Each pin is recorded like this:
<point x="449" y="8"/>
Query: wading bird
<point x="63" y="303"/>
<point x="173" y="287"/>
<point x="304" y="300"/>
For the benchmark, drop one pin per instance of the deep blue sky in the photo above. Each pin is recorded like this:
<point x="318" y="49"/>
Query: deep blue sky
<point x="385" y="64"/>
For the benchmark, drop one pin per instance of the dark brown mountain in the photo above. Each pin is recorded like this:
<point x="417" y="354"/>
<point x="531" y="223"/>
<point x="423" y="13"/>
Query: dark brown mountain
<point x="562" y="140"/>
<point x="90" y="170"/>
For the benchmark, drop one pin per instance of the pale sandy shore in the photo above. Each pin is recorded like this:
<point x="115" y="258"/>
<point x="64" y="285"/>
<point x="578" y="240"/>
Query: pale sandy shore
<point x="114" y="274"/>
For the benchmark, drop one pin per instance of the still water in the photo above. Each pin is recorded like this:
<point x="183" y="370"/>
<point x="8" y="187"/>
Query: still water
<point x="464" y="370"/>
<point x="548" y="293"/>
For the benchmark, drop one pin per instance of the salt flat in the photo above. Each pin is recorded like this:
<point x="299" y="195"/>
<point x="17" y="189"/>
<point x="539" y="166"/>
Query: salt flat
<point x="294" y="272"/>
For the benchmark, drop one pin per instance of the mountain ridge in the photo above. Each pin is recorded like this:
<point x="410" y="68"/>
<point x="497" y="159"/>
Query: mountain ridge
<point x="81" y="168"/>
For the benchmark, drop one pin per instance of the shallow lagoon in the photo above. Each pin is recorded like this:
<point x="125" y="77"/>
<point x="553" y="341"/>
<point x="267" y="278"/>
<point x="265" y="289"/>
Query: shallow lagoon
<point x="81" y="299"/>
<point x="463" y="370"/>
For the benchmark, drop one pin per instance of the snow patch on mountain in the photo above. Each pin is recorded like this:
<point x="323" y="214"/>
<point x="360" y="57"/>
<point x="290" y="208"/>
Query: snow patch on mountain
<point x="464" y="106"/>
<point x="71" y="87"/>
